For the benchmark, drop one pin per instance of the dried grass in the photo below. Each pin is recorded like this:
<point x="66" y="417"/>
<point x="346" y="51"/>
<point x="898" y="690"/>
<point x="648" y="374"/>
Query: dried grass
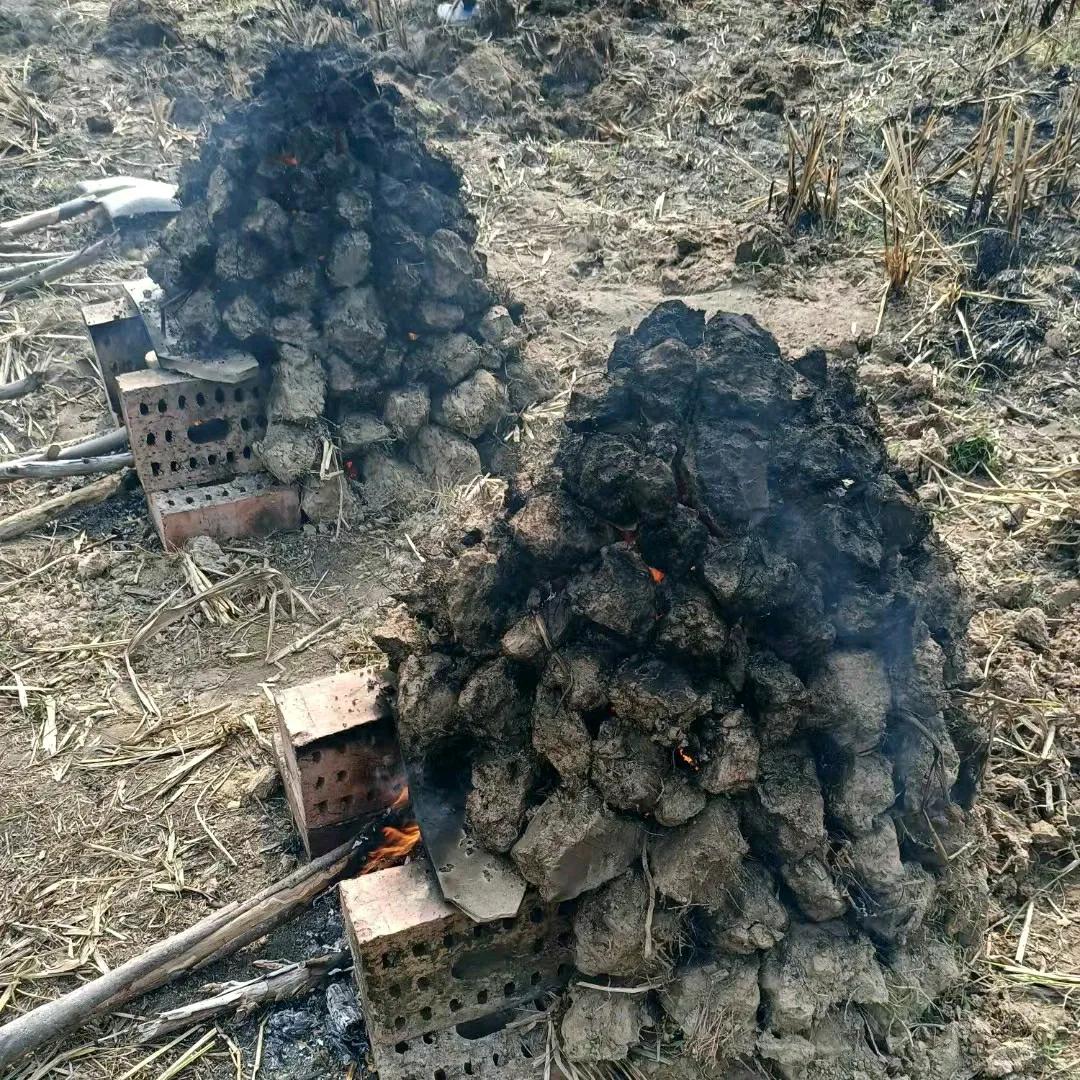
<point x="814" y="161"/>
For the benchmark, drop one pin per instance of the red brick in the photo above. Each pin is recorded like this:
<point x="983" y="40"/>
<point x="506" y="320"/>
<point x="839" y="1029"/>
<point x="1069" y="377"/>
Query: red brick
<point x="251" y="505"/>
<point x="338" y="754"/>
<point x="187" y="431"/>
<point x="422" y="966"/>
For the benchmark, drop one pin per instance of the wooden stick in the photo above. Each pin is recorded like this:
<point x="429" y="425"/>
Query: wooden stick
<point x="30" y="256"/>
<point x="52" y="215"/>
<point x="35" y="516"/>
<point x="92" y="447"/>
<point x="292" y="981"/>
<point x="36" y="469"/>
<point x="18" y="270"/>
<point x="56" y="270"/>
<point x="20" y="387"/>
<point x="218" y="935"/>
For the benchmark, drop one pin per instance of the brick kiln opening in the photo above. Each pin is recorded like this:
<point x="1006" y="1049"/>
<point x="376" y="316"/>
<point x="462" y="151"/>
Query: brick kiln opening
<point x="703" y="683"/>
<point x="323" y="259"/>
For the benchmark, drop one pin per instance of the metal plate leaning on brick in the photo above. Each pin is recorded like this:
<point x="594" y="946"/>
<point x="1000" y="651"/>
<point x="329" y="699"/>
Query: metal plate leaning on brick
<point x="120" y="341"/>
<point x="422" y="966"/>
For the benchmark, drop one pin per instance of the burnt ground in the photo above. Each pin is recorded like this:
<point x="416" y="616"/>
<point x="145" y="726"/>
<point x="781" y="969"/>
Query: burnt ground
<point x="612" y="157"/>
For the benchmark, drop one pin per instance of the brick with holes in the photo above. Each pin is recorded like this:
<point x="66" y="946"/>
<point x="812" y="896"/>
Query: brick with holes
<point x="250" y="505"/>
<point x="500" y="1046"/>
<point x="422" y="966"/>
<point x="186" y="431"/>
<point x="338" y="755"/>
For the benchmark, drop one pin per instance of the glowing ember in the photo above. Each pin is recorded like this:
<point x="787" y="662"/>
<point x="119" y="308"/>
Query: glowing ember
<point x="289" y="159"/>
<point x="656" y="575"/>
<point x="396" y="845"/>
<point x="686" y="757"/>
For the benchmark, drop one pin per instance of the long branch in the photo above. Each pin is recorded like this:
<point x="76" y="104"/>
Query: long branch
<point x="33" y="517"/>
<point x="218" y="935"/>
<point x="35" y="469"/>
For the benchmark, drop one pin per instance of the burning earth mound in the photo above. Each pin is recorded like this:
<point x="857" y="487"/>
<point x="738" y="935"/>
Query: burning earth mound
<point x="702" y="682"/>
<point x="320" y="238"/>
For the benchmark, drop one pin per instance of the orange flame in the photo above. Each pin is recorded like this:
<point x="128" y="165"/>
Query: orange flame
<point x="656" y="575"/>
<point x="289" y="159"/>
<point x="396" y="845"/>
<point x="686" y="757"/>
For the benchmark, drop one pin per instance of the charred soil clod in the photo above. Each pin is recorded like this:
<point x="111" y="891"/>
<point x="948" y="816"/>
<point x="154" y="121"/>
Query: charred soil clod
<point x="723" y="632"/>
<point x="321" y="236"/>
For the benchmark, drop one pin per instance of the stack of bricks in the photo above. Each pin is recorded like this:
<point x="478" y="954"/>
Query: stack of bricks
<point x="191" y="440"/>
<point x="443" y="996"/>
<point x="338" y="755"/>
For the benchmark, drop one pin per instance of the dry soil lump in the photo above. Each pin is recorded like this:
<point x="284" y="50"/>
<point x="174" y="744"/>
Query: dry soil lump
<point x="730" y="632"/>
<point x="320" y="233"/>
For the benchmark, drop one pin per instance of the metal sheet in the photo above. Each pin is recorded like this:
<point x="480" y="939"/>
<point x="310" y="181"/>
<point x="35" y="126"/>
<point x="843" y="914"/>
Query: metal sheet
<point x="485" y="886"/>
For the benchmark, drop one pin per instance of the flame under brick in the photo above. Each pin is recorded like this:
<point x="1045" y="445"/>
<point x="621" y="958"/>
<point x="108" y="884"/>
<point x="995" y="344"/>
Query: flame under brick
<point x="725" y="632"/>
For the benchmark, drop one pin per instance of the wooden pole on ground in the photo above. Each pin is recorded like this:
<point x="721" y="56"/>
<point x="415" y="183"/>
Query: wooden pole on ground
<point x="33" y="517"/>
<point x="41" y="469"/>
<point x="218" y="935"/>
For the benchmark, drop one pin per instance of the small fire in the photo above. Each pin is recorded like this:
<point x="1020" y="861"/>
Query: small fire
<point x="288" y="159"/>
<point x="656" y="575"/>
<point x="397" y="843"/>
<point x="686" y="757"/>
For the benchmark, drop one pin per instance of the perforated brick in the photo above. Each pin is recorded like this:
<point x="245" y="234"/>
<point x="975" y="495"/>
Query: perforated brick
<point x="338" y="755"/>
<point x="120" y="340"/>
<point x="515" y="1050"/>
<point x="422" y="966"/>
<point x="187" y="431"/>
<point x="251" y="505"/>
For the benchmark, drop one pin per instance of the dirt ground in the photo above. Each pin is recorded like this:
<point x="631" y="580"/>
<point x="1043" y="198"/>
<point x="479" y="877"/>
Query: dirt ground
<point x="613" y="156"/>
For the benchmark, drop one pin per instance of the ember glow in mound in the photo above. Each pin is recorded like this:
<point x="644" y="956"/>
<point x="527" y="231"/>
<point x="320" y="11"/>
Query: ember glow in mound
<point x="703" y="685"/>
<point x="320" y="238"/>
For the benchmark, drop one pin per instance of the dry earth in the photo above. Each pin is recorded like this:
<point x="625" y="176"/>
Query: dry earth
<point x="613" y="157"/>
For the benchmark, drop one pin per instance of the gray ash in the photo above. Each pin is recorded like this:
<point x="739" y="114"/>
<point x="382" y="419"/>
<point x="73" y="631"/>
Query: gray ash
<point x="322" y="237"/>
<point x="724" y="632"/>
